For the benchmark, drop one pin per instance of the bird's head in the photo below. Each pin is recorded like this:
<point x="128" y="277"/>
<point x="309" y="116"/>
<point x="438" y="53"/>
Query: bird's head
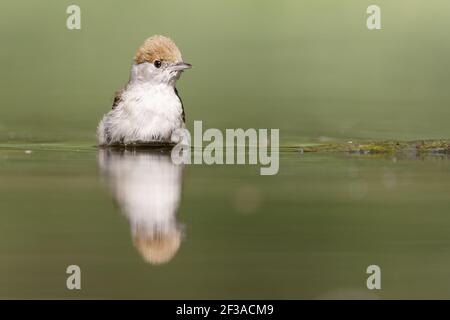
<point x="158" y="60"/>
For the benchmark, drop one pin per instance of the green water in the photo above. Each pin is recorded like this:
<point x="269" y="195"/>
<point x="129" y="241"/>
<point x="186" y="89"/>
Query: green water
<point x="308" y="68"/>
<point x="308" y="232"/>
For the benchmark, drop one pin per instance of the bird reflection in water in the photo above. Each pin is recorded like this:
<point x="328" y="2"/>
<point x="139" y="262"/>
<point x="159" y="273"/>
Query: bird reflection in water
<point x="147" y="187"/>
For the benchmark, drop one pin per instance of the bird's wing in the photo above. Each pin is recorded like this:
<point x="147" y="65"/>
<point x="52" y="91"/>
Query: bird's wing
<point x="117" y="98"/>
<point x="182" y="107"/>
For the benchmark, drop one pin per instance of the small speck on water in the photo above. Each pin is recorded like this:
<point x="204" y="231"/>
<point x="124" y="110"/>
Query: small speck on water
<point x="28" y="152"/>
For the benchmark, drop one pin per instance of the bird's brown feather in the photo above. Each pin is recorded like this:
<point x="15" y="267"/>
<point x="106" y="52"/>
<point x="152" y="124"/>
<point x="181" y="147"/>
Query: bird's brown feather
<point x="117" y="98"/>
<point x="158" y="48"/>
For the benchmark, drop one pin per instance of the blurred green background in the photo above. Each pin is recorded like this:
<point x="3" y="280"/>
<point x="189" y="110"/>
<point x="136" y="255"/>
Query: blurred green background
<point x="310" y="68"/>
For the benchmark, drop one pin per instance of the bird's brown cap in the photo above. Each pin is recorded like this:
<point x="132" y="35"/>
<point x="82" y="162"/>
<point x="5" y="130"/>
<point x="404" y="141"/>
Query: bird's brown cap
<point x="158" y="48"/>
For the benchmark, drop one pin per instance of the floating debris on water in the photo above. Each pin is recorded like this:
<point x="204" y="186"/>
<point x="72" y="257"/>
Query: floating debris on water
<point x="382" y="147"/>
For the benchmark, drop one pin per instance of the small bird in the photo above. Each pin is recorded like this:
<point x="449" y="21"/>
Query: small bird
<point x="148" y="109"/>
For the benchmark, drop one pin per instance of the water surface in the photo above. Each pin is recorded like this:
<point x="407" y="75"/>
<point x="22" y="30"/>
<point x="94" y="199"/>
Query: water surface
<point x="140" y="227"/>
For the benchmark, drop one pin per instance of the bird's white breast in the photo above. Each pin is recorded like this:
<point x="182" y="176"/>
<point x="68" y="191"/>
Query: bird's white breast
<point x="146" y="112"/>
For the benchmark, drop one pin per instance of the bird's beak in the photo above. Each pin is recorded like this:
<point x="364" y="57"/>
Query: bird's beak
<point x="180" y="66"/>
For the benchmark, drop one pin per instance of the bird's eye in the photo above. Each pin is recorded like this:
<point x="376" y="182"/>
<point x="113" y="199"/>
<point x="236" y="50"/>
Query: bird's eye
<point x="157" y="63"/>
